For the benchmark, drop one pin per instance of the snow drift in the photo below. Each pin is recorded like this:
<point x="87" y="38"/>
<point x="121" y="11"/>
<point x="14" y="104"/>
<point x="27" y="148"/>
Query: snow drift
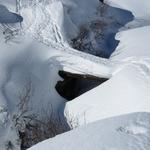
<point x="31" y="54"/>
<point x="126" y="132"/>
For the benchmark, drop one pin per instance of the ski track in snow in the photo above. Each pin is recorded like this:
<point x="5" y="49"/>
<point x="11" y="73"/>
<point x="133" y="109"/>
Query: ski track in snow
<point x="38" y="28"/>
<point x="59" y="43"/>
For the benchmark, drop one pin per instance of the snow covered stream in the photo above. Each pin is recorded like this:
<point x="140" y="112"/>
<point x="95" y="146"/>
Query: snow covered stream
<point x="33" y="52"/>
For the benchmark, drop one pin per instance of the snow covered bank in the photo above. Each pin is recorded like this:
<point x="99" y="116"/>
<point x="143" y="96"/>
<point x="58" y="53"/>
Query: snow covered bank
<point x="140" y="9"/>
<point x="35" y="56"/>
<point x="22" y="64"/>
<point x="126" y="92"/>
<point x="133" y="43"/>
<point x="97" y="24"/>
<point x="97" y="36"/>
<point x="128" y="89"/>
<point x="128" y="132"/>
<point x="26" y="61"/>
<point x="42" y="19"/>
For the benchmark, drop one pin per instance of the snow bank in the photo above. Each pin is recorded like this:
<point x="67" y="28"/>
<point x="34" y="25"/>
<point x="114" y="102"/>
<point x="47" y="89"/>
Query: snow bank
<point x="22" y="64"/>
<point x="126" y="132"/>
<point x="127" y="91"/>
<point x="23" y="60"/>
<point x="140" y="9"/>
<point x="133" y="43"/>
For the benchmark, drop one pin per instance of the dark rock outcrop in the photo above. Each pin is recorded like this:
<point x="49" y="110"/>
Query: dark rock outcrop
<point x="74" y="85"/>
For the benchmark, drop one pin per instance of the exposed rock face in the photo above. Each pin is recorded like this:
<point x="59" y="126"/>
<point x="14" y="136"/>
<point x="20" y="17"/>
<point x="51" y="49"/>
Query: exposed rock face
<point x="74" y="85"/>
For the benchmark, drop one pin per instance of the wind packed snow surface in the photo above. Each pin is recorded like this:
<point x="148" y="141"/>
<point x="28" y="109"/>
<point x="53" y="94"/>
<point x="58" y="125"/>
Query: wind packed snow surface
<point x="32" y="53"/>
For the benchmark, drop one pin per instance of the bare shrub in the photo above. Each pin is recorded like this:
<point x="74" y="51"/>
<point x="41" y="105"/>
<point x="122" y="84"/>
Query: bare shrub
<point x="33" y="128"/>
<point x="47" y="126"/>
<point x="9" y="146"/>
<point x="20" y="118"/>
<point x="77" y="42"/>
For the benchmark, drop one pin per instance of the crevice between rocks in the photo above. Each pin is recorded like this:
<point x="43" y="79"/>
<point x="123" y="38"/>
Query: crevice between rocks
<point x="74" y="85"/>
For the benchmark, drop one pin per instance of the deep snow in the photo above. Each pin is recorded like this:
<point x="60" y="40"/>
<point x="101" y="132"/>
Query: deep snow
<point x="36" y="50"/>
<point x="126" y="92"/>
<point x="128" y="88"/>
<point x="126" y="132"/>
<point x="26" y="58"/>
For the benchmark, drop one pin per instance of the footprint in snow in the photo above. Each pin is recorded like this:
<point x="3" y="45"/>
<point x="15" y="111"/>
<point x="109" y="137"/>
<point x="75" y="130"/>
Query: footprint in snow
<point x="133" y="130"/>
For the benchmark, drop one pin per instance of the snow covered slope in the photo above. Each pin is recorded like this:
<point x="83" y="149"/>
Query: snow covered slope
<point x="30" y="57"/>
<point x="44" y="22"/>
<point x="126" y="92"/>
<point x="140" y="9"/>
<point x="128" y="89"/>
<point x="133" y="43"/>
<point x="128" y="132"/>
<point x="56" y="28"/>
<point x="33" y="52"/>
<point x="25" y="66"/>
